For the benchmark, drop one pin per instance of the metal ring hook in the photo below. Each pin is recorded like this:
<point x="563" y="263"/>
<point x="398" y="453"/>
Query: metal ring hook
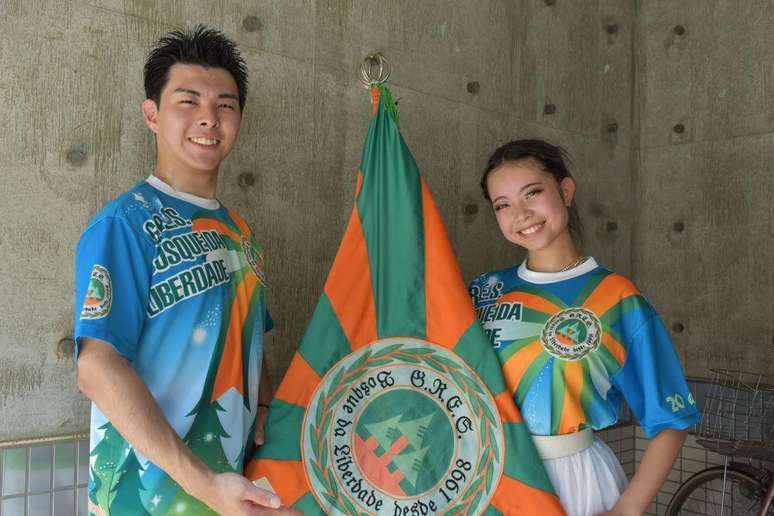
<point x="374" y="70"/>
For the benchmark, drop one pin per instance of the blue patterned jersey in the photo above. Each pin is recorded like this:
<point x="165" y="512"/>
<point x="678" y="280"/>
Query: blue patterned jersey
<point x="573" y="344"/>
<point x="175" y="284"/>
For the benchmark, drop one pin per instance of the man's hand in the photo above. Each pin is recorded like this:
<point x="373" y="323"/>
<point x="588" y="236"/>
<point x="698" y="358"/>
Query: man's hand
<point x="232" y="494"/>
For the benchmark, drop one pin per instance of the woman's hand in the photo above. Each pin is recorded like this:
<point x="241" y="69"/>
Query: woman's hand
<point x="654" y="468"/>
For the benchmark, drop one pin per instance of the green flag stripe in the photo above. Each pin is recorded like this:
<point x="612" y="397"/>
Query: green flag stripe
<point x="390" y="207"/>
<point x="324" y="342"/>
<point x="474" y="348"/>
<point x="522" y="461"/>
<point x="308" y="505"/>
<point x="491" y="511"/>
<point x="283" y="432"/>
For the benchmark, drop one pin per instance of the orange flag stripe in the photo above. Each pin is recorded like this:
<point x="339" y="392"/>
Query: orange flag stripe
<point x="531" y="301"/>
<point x="299" y="383"/>
<point x="287" y="477"/>
<point x="514" y="497"/>
<point x="240" y="222"/>
<point x="230" y="369"/>
<point x="349" y="286"/>
<point x="608" y="293"/>
<point x="359" y="183"/>
<point x="572" y="412"/>
<point x="506" y="407"/>
<point x="515" y="367"/>
<point x="204" y="224"/>
<point x="449" y="311"/>
<point x="614" y="347"/>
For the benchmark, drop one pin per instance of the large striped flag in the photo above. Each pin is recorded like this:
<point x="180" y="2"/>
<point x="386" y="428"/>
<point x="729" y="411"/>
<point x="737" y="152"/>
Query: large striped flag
<point x="395" y="402"/>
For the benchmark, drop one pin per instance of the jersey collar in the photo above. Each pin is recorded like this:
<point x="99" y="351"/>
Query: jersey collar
<point x="201" y="202"/>
<point x="553" y="277"/>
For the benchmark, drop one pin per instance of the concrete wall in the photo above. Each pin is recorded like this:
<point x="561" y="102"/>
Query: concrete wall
<point x="72" y="138"/>
<point x="704" y="232"/>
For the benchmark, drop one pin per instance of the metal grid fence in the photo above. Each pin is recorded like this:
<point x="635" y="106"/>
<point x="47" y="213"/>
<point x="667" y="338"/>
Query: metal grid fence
<point x="45" y="478"/>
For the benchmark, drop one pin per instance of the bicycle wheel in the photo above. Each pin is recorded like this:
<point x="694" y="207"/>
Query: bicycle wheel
<point x="706" y="493"/>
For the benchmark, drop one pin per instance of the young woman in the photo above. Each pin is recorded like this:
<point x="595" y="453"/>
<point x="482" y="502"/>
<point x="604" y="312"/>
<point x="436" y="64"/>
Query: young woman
<point x="575" y="339"/>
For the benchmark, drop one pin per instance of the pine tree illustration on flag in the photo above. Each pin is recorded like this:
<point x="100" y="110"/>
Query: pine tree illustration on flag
<point x="394" y="402"/>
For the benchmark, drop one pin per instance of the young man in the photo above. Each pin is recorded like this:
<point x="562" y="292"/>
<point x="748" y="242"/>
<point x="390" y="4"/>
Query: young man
<point x="170" y="306"/>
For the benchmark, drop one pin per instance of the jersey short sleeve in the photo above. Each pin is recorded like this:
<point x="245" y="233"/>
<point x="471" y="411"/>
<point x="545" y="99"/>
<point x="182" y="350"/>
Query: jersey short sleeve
<point x="112" y="279"/>
<point x="653" y="382"/>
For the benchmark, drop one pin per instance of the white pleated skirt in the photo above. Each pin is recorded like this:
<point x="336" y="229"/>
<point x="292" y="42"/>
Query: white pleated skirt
<point x="588" y="482"/>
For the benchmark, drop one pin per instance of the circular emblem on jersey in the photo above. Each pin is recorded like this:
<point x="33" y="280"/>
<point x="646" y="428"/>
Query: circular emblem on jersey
<point x="254" y="259"/>
<point x="402" y="426"/>
<point x="572" y="334"/>
<point x="99" y="294"/>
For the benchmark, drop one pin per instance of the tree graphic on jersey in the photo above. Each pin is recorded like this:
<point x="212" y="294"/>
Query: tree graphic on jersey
<point x="127" y="501"/>
<point x="94" y="485"/>
<point x="109" y="453"/>
<point x="204" y="439"/>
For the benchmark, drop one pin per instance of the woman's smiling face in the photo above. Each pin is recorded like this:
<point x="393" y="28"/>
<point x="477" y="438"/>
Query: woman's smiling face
<point x="530" y="206"/>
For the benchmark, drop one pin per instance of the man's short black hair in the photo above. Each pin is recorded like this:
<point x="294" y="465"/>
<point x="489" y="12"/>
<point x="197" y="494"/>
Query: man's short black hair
<point x="198" y="46"/>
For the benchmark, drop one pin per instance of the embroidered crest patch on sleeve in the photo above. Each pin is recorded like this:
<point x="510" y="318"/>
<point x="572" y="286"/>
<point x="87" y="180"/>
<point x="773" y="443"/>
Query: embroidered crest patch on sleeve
<point x="99" y="295"/>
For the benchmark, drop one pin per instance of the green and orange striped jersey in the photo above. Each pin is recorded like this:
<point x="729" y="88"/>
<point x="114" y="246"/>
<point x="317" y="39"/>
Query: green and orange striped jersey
<point x="395" y="402"/>
<point x="572" y="344"/>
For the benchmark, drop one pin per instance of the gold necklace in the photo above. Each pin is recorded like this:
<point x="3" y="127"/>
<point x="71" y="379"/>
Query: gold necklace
<point x="575" y="263"/>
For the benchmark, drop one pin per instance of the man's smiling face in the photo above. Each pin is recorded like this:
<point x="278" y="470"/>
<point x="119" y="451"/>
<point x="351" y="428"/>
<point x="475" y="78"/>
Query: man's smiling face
<point x="197" y="119"/>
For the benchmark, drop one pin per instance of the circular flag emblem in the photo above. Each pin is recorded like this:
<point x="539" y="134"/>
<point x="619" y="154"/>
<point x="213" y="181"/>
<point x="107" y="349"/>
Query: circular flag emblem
<point x="402" y="426"/>
<point x="572" y="334"/>
<point x="254" y="259"/>
<point x="99" y="294"/>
